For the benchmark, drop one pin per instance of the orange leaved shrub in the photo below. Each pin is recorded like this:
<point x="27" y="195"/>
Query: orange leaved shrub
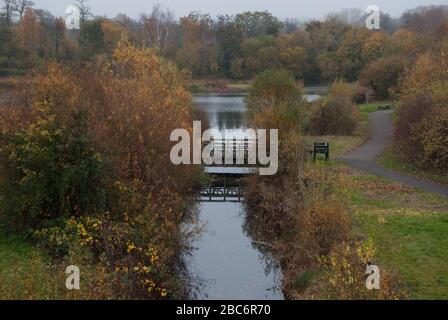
<point x="421" y="134"/>
<point x="90" y="154"/>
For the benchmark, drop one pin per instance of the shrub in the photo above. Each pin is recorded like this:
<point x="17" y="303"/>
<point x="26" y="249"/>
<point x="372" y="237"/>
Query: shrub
<point x="272" y="88"/>
<point x="434" y="139"/>
<point x="194" y="89"/>
<point x="345" y="279"/>
<point x="326" y="224"/>
<point x="85" y="160"/>
<point x="335" y="114"/>
<point x="275" y="102"/>
<point x="48" y="172"/>
<point x="304" y="280"/>
<point x="421" y="125"/>
<point x="382" y="75"/>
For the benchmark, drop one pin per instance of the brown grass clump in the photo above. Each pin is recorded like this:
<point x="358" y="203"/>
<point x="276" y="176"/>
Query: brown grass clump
<point x="344" y="276"/>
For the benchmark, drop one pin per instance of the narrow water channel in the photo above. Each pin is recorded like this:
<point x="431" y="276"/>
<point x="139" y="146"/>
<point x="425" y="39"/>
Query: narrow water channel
<point x="227" y="259"/>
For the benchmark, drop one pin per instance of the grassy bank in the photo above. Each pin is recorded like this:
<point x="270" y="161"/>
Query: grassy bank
<point x="338" y="144"/>
<point x="409" y="230"/>
<point x="367" y="108"/>
<point x="205" y="86"/>
<point x="408" y="227"/>
<point x="28" y="273"/>
<point x="399" y="228"/>
<point x="24" y="271"/>
<point x="391" y="160"/>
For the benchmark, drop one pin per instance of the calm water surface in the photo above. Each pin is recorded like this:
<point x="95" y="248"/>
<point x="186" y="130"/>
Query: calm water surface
<point x="230" y="263"/>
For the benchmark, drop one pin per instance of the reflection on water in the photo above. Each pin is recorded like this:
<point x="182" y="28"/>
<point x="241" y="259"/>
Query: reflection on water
<point x="228" y="261"/>
<point x="222" y="112"/>
<point x="227" y="111"/>
<point x="312" y="97"/>
<point x="231" y="263"/>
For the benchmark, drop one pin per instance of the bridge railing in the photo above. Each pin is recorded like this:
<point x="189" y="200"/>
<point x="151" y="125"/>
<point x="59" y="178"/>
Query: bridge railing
<point x="223" y="190"/>
<point x="232" y="149"/>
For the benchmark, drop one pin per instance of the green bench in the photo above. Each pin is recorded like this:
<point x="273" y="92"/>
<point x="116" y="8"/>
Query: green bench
<point x="319" y="148"/>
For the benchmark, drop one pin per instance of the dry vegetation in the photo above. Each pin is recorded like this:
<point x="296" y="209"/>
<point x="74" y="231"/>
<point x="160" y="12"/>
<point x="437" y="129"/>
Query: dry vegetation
<point x="85" y="173"/>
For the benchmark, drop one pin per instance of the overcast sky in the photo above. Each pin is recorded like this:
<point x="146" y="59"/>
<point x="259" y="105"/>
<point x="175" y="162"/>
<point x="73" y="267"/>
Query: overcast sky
<point x="302" y="9"/>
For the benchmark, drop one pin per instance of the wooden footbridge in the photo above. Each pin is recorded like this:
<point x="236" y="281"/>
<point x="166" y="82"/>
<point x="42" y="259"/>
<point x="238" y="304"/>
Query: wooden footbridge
<point x="233" y="153"/>
<point x="227" y="181"/>
<point x="224" y="189"/>
<point x="234" y="160"/>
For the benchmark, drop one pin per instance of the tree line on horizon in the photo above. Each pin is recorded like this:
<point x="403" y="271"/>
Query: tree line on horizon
<point x="232" y="46"/>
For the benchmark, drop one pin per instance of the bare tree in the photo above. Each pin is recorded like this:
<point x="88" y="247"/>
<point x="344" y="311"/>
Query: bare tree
<point x="425" y="19"/>
<point x="59" y="29"/>
<point x="8" y="7"/>
<point x="85" y="11"/>
<point x="21" y="5"/>
<point x="158" y="27"/>
<point x="352" y="16"/>
<point x="290" y="25"/>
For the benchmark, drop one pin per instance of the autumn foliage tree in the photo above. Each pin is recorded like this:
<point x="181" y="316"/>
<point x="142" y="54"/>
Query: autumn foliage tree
<point x="422" y="117"/>
<point x="198" y="52"/>
<point x="382" y="75"/>
<point x="30" y="39"/>
<point x="92" y="148"/>
<point x="272" y="88"/>
<point x="336" y="114"/>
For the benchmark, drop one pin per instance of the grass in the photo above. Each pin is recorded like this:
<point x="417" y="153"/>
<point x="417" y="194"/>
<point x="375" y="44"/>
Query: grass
<point x="367" y="108"/>
<point x="240" y="87"/>
<point x="408" y="227"/>
<point x="415" y="245"/>
<point x="27" y="273"/>
<point x="23" y="271"/>
<point x="338" y="144"/>
<point x="218" y="86"/>
<point x="390" y="160"/>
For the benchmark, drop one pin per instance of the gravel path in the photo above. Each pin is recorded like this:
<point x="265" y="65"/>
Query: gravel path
<point x="364" y="157"/>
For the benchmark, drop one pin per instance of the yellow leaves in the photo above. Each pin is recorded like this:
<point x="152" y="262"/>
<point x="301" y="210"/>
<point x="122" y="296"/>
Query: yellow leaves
<point x="129" y="61"/>
<point x="114" y="33"/>
<point x="151" y="286"/>
<point x="85" y="238"/>
<point x="149" y="283"/>
<point x="373" y="46"/>
<point x="82" y="230"/>
<point x="131" y="247"/>
<point x="345" y="274"/>
<point x="153" y="255"/>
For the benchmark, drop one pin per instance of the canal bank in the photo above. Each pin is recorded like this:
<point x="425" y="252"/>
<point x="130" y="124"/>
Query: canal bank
<point x="227" y="260"/>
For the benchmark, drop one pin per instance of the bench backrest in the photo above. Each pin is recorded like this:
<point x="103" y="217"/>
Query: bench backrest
<point x="321" y="146"/>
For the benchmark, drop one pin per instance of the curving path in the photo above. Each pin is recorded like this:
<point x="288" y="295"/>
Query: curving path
<point x="364" y="157"/>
